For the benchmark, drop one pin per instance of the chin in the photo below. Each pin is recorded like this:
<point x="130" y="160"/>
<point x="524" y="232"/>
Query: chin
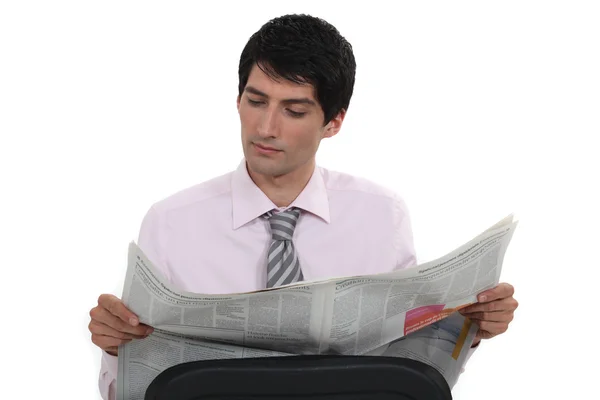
<point x="265" y="167"/>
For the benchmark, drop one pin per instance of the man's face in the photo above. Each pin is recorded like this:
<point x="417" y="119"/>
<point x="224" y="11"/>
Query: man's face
<point x="282" y="125"/>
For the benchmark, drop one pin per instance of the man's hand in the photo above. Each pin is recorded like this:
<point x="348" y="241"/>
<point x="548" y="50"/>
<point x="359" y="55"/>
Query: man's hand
<point x="113" y="324"/>
<point x="493" y="313"/>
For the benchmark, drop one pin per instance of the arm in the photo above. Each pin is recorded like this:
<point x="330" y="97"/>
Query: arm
<point x="151" y="243"/>
<point x="111" y="325"/>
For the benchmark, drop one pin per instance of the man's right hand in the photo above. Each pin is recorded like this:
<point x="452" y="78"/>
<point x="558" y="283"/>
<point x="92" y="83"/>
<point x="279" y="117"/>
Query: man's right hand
<point x="112" y="324"/>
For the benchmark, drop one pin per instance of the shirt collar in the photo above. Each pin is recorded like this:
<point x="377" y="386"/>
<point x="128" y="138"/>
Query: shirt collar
<point x="249" y="202"/>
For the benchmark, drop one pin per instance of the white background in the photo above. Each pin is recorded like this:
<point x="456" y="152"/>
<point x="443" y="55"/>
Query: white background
<point x="470" y="110"/>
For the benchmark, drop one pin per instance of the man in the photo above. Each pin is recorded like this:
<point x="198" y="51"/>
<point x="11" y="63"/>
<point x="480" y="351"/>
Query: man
<point x="278" y="218"/>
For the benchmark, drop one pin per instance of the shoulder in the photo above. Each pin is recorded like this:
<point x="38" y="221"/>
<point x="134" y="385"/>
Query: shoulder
<point x="385" y="215"/>
<point x="200" y="194"/>
<point x="360" y="189"/>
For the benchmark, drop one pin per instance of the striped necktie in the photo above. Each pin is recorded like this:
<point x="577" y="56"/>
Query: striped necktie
<point x="283" y="265"/>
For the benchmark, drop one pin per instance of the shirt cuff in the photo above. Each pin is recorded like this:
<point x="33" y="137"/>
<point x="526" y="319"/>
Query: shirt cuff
<point x="108" y="376"/>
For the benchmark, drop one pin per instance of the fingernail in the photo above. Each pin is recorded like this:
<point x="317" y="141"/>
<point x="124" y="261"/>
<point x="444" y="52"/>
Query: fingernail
<point x="149" y="331"/>
<point x="133" y="321"/>
<point x="483" y="298"/>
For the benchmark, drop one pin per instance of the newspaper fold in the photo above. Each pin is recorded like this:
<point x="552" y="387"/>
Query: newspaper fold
<point x="401" y="313"/>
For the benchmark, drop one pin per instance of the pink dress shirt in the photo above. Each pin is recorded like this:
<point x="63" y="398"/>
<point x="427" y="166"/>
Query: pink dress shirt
<point x="210" y="238"/>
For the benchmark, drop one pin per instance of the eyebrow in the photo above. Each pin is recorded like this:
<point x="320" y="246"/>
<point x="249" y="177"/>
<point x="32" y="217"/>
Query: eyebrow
<point x="303" y="100"/>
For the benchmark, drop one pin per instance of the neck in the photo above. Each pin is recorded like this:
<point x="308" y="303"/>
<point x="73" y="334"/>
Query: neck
<point x="282" y="190"/>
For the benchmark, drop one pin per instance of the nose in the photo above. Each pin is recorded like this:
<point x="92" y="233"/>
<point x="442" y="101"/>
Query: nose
<point x="267" y="126"/>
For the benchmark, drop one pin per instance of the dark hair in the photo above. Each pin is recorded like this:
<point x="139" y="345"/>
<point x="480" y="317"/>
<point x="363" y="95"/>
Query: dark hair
<point x="303" y="49"/>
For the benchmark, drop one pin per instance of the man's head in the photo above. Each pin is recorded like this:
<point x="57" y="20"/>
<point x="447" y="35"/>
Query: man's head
<point x="296" y="77"/>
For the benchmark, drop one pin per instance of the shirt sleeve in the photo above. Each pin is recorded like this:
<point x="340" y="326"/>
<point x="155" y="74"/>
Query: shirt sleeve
<point x="151" y="241"/>
<point x="403" y="240"/>
<point x="108" y="377"/>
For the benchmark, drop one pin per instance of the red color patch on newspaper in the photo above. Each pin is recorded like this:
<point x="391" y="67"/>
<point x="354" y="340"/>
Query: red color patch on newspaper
<point x="422" y="316"/>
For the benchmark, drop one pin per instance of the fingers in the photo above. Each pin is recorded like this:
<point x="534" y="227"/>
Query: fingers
<point x="103" y="316"/>
<point x="107" y="342"/>
<point x="491" y="316"/>
<point x="112" y="324"/>
<point x="99" y="328"/>
<point x="116" y="307"/>
<point x="489" y="329"/>
<point x="506" y="304"/>
<point x="113" y="351"/>
<point x="501" y="291"/>
<point x="494" y="311"/>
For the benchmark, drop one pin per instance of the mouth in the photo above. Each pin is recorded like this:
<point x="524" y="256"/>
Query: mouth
<point x="265" y="149"/>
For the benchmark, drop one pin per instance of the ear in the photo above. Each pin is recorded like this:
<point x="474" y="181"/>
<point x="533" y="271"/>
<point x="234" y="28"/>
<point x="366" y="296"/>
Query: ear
<point x="334" y="126"/>
<point x="238" y="103"/>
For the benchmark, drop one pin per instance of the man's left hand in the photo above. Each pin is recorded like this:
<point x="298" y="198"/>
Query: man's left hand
<point x="494" y="311"/>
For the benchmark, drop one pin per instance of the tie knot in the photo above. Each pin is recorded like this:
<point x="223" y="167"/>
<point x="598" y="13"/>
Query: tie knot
<point x="283" y="223"/>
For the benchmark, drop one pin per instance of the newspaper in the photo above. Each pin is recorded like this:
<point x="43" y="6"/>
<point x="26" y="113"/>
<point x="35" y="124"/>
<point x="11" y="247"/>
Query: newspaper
<point x="444" y="345"/>
<point x="399" y="313"/>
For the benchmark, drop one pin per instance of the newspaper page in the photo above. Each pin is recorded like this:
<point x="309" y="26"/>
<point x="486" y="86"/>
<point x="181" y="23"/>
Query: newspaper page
<point x="443" y="345"/>
<point x="161" y="350"/>
<point x="350" y="315"/>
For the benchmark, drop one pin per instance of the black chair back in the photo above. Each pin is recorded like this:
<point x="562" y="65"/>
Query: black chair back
<point x="301" y="378"/>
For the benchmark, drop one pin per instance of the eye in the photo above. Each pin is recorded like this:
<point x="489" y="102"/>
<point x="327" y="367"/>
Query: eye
<point x="295" y="114"/>
<point x="254" y="103"/>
